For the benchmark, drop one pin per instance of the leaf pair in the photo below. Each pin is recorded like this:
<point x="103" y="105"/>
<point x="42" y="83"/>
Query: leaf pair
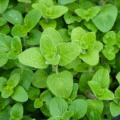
<point x="89" y="47"/>
<point x="33" y="58"/>
<point x="29" y="23"/>
<point x="100" y="85"/>
<point x="59" y="109"/>
<point x="88" y="14"/>
<point x="50" y="10"/>
<point x="11" y="88"/>
<point x="110" y="49"/>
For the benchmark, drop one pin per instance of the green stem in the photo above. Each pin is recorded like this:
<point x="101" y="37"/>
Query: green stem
<point x="55" y="68"/>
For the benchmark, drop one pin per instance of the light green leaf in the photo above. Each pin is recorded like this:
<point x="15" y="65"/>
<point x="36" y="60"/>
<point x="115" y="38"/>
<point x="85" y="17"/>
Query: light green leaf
<point x="74" y="91"/>
<point x="19" y="30"/>
<point x="40" y="79"/>
<point x="25" y="1"/>
<point x="79" y="107"/>
<point x="32" y="57"/>
<point x="26" y="78"/>
<point x="38" y="103"/>
<point x="64" y="2"/>
<point x="5" y="41"/>
<point x="16" y="112"/>
<point x="91" y="56"/>
<point x="105" y="20"/>
<point x="20" y="94"/>
<point x="3" y="5"/>
<point x="7" y="91"/>
<point x="48" y="23"/>
<point x="49" y="41"/>
<point x="114" y="109"/>
<point x="57" y="11"/>
<point x="89" y="13"/>
<point x="69" y="18"/>
<point x="99" y="85"/>
<point x="60" y="84"/>
<point x="14" y="78"/>
<point x="57" y="107"/>
<point x="110" y="38"/>
<point x="77" y="33"/>
<point x="95" y="109"/>
<point x="16" y="47"/>
<point x="13" y="16"/>
<point x="68" y="52"/>
<point x="30" y="21"/>
<point x="102" y="77"/>
<point x="118" y="77"/>
<point x="101" y="93"/>
<point x="109" y="52"/>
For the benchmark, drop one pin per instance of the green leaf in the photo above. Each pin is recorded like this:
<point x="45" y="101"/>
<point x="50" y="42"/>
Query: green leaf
<point x="95" y="109"/>
<point x="19" y="30"/>
<point x="60" y="84"/>
<point x="16" y="47"/>
<point x="30" y="21"/>
<point x="57" y="11"/>
<point x="68" y="52"/>
<point x="109" y="52"/>
<point x="74" y="91"/>
<point x="13" y="16"/>
<point x="100" y="85"/>
<point x="7" y="91"/>
<point x="105" y="20"/>
<point x="3" y="5"/>
<point x="3" y="58"/>
<point x="114" y="109"/>
<point x="69" y="18"/>
<point x="33" y="38"/>
<point x="20" y="94"/>
<point x="2" y="21"/>
<point x="40" y="79"/>
<point x="4" y="115"/>
<point x="91" y="56"/>
<point x="79" y="107"/>
<point x="57" y="107"/>
<point x="83" y="81"/>
<point x="4" y="43"/>
<point x="118" y="77"/>
<point x="38" y="103"/>
<point x="49" y="41"/>
<point x="25" y="1"/>
<point x="3" y="81"/>
<point x="64" y="2"/>
<point x="102" y="77"/>
<point x="48" y="23"/>
<point x="89" y="13"/>
<point x="16" y="112"/>
<point x="26" y="78"/>
<point x="77" y="33"/>
<point x="110" y="38"/>
<point x="32" y="57"/>
<point x="14" y="78"/>
<point x="33" y="93"/>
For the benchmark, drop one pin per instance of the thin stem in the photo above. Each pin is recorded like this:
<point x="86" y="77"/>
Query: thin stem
<point x="55" y="68"/>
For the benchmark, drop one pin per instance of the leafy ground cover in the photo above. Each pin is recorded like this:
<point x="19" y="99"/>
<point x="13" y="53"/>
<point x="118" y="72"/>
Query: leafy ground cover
<point x="59" y="59"/>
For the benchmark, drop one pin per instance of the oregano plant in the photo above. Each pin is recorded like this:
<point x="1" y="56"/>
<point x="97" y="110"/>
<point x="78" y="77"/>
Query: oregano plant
<point x="59" y="59"/>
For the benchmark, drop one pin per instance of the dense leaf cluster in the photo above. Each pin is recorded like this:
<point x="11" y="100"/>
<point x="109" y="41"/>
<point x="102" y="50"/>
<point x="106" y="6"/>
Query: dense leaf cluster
<point x="59" y="59"/>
